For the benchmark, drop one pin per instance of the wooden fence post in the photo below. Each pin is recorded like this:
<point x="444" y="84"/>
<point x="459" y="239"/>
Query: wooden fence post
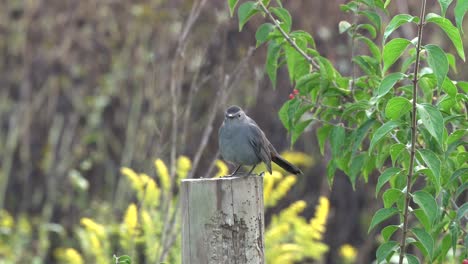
<point x="223" y="220"/>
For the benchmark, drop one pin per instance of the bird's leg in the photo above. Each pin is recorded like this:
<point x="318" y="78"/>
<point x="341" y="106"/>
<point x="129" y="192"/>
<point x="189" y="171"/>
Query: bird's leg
<point x="234" y="173"/>
<point x="252" y="169"/>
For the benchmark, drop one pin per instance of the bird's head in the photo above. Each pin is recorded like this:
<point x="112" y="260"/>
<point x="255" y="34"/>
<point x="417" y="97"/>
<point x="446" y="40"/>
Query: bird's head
<point x="234" y="114"/>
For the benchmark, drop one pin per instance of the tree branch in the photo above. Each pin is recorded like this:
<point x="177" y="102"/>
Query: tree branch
<point x="287" y="37"/>
<point x="413" y="135"/>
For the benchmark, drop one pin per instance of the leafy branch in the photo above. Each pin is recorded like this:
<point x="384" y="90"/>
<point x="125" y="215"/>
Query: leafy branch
<point x="413" y="135"/>
<point x="286" y="35"/>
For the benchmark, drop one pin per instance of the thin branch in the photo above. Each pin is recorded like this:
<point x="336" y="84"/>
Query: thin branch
<point x="287" y="37"/>
<point x="413" y="135"/>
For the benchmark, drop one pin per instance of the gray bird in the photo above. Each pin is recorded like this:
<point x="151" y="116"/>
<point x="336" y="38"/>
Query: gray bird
<point x="242" y="142"/>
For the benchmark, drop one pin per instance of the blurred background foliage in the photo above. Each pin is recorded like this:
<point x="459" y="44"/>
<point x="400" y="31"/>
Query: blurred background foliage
<point x="90" y="89"/>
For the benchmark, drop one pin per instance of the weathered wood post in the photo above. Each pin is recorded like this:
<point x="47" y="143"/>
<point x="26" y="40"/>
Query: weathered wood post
<point x="223" y="221"/>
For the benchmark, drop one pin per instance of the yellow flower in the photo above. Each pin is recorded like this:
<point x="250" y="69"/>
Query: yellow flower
<point x="93" y="227"/>
<point x="348" y="253"/>
<point x="163" y="174"/>
<point x="183" y="167"/>
<point x="277" y="232"/>
<point x="133" y="177"/>
<point x="131" y="219"/>
<point x="321" y="214"/>
<point x="95" y="243"/>
<point x="6" y="220"/>
<point x="283" y="187"/>
<point x="68" y="255"/>
<point x="151" y="191"/>
<point x="222" y="169"/>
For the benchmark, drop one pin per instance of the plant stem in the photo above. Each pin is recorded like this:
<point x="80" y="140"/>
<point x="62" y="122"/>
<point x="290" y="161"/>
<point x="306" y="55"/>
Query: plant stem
<point x="413" y="135"/>
<point x="287" y="37"/>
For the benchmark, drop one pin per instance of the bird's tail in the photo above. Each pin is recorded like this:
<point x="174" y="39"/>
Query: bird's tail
<point x="285" y="164"/>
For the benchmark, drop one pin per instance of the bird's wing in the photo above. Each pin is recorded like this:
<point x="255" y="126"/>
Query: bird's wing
<point x="260" y="144"/>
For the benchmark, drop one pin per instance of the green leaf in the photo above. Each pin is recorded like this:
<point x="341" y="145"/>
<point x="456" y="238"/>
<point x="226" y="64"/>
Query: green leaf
<point x="426" y="241"/>
<point x="396" y="22"/>
<point x="391" y="196"/>
<point x="427" y="204"/>
<point x="411" y="259"/>
<point x="449" y="87"/>
<point x="433" y="163"/>
<point x="433" y="121"/>
<point x="396" y="151"/>
<point x="438" y="62"/>
<point x="245" y="12"/>
<point x="454" y="232"/>
<point x="262" y="33"/>
<point x="382" y="132"/>
<point x="462" y="211"/>
<point x="337" y="141"/>
<point x="361" y="133"/>
<point x="460" y="10"/>
<point x="388" y="82"/>
<point x="232" y="5"/>
<point x="284" y="116"/>
<point x="460" y="190"/>
<point x="368" y="64"/>
<point x="397" y="107"/>
<point x="381" y="215"/>
<point x="372" y="47"/>
<point x="442" y="250"/>
<point x="388" y="231"/>
<point x="444" y="4"/>
<point x="370" y="28"/>
<point x="298" y="129"/>
<point x="284" y="17"/>
<point x="423" y="219"/>
<point x="385" y="177"/>
<point x="294" y="60"/>
<point x="449" y="29"/>
<point x="393" y="50"/>
<point x="271" y="65"/>
<point x="386" y="250"/>
<point x="355" y="168"/>
<point x="322" y="135"/>
<point x="373" y="17"/>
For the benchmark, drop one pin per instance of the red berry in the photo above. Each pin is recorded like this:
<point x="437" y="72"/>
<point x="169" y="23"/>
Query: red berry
<point x="291" y="96"/>
<point x="465" y="261"/>
<point x="295" y="91"/>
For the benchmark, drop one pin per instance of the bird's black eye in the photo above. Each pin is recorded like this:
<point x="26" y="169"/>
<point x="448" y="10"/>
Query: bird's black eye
<point x="238" y="115"/>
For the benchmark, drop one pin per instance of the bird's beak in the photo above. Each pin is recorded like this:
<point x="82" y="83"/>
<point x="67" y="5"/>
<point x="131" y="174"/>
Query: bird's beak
<point x="230" y="115"/>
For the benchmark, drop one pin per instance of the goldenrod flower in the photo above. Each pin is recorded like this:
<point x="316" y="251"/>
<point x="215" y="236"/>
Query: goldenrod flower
<point x="133" y="177"/>
<point x="131" y="219"/>
<point x="6" y="220"/>
<point x="348" y="253"/>
<point x="222" y="169"/>
<point x="93" y="227"/>
<point x="163" y="173"/>
<point x="68" y="255"/>
<point x="183" y="167"/>
<point x="283" y="187"/>
<point x="151" y="190"/>
<point x="277" y="232"/>
<point x="321" y="214"/>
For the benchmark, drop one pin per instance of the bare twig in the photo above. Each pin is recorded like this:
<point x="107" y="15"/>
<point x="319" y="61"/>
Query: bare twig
<point x="287" y="37"/>
<point x="176" y="77"/>
<point x="413" y="135"/>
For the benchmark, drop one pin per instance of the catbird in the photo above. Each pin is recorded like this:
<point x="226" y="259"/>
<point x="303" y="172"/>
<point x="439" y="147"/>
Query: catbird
<point x="242" y="142"/>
